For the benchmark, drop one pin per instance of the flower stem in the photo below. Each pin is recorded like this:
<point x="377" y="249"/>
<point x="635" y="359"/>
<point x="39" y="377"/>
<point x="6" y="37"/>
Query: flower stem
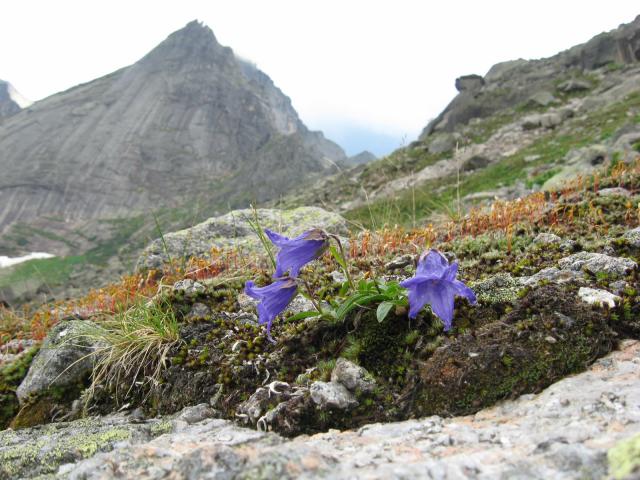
<point x="343" y="263"/>
<point x="311" y="297"/>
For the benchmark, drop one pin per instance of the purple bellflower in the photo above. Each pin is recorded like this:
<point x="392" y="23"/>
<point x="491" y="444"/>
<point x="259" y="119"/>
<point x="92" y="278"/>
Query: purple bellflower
<point x="435" y="283"/>
<point x="295" y="253"/>
<point x="273" y="298"/>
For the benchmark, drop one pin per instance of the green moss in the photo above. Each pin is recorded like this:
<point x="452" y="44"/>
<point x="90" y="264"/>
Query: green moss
<point x="11" y="376"/>
<point x="624" y="458"/>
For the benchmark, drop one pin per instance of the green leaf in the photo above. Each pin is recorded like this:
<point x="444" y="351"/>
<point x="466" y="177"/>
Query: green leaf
<point x="303" y="315"/>
<point x="343" y="289"/>
<point x="336" y="254"/>
<point x="383" y="310"/>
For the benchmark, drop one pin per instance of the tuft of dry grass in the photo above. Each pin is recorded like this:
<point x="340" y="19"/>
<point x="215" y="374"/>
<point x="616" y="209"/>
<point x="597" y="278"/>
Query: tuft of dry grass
<point x="132" y="347"/>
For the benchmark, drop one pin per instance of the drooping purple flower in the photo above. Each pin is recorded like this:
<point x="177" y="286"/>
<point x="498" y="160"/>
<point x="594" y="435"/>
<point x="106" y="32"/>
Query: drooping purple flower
<point x="273" y="298"/>
<point x="435" y="283"/>
<point x="295" y="253"/>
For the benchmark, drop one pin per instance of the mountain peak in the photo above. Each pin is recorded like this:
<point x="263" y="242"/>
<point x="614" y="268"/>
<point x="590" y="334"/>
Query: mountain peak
<point x="194" y="41"/>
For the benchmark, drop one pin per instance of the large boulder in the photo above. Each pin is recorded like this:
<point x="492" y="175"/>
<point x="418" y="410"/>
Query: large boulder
<point x="58" y="373"/>
<point x="233" y="230"/>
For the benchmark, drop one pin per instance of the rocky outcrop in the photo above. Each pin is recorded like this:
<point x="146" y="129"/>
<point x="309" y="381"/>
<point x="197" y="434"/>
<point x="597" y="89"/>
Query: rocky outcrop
<point x="232" y="230"/>
<point x="360" y="159"/>
<point x="188" y="122"/>
<point x="11" y="102"/>
<point x="509" y="84"/>
<point x="565" y="432"/>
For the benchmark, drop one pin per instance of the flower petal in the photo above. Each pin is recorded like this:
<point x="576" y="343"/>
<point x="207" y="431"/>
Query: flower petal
<point x="433" y="264"/>
<point x="462" y="290"/>
<point x="277" y="239"/>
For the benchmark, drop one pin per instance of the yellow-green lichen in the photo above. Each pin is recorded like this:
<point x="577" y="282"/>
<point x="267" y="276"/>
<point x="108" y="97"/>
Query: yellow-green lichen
<point x="624" y="458"/>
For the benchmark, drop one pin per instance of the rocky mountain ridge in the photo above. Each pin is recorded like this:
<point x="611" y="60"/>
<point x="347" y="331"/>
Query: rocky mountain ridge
<point x="504" y="135"/>
<point x="188" y="122"/>
<point x="11" y="102"/>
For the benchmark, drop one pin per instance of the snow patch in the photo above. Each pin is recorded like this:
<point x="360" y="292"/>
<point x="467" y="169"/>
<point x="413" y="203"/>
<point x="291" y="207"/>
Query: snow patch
<point x="9" y="261"/>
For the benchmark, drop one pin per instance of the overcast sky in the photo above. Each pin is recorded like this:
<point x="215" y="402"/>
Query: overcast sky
<point x="370" y="74"/>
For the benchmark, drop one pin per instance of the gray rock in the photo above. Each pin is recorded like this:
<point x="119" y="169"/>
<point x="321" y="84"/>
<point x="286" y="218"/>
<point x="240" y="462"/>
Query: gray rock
<point x="580" y="161"/>
<point x="618" y="287"/>
<point x="469" y="83"/>
<point x="552" y="275"/>
<point x="352" y="376"/>
<point x="500" y="288"/>
<point x="550" y="119"/>
<point x="542" y="99"/>
<point x="574" y="85"/>
<point x="441" y="143"/>
<point x="596" y="296"/>
<point x="547" y="239"/>
<point x="632" y="237"/>
<point x="614" y="191"/>
<point x="232" y="231"/>
<point x="562" y="433"/>
<point x="332" y="395"/>
<point x="399" y="262"/>
<point x="188" y="287"/>
<point x="475" y="162"/>
<point x="196" y="414"/>
<point x="595" y="263"/>
<point x="198" y="311"/>
<point x="65" y="359"/>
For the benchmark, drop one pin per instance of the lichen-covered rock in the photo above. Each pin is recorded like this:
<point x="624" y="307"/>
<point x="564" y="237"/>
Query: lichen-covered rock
<point x="632" y="237"/>
<point x="332" y="395"/>
<point x="500" y="288"/>
<point x="188" y="287"/>
<point x="584" y="427"/>
<point x="64" y="362"/>
<point x="547" y="239"/>
<point x="624" y="458"/>
<point x="614" y="191"/>
<point x="232" y="230"/>
<point x="352" y="376"/>
<point x="597" y="296"/>
<point x="552" y="275"/>
<point x="198" y="311"/>
<point x="596" y="263"/>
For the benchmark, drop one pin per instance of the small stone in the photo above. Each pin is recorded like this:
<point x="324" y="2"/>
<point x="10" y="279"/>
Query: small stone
<point x="550" y="339"/>
<point x="595" y="263"/>
<point x="188" y="287"/>
<point x="618" y="287"/>
<point x="199" y="311"/>
<point x="352" y="376"/>
<point x="399" y="262"/>
<point x="614" y="191"/>
<point x="196" y="414"/>
<point x="552" y="275"/>
<point x="338" y="277"/>
<point x="547" y="239"/>
<point x="332" y="395"/>
<point x="632" y="237"/>
<point x="595" y="296"/>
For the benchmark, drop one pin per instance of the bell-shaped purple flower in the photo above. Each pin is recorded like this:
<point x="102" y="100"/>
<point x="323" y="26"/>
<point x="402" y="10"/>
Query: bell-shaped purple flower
<point x="273" y="298"/>
<point x="435" y="283"/>
<point x="295" y="253"/>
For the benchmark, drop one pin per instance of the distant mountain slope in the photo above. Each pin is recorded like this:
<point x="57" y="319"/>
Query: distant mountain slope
<point x="11" y="102"/>
<point x="525" y="125"/>
<point x="189" y="121"/>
